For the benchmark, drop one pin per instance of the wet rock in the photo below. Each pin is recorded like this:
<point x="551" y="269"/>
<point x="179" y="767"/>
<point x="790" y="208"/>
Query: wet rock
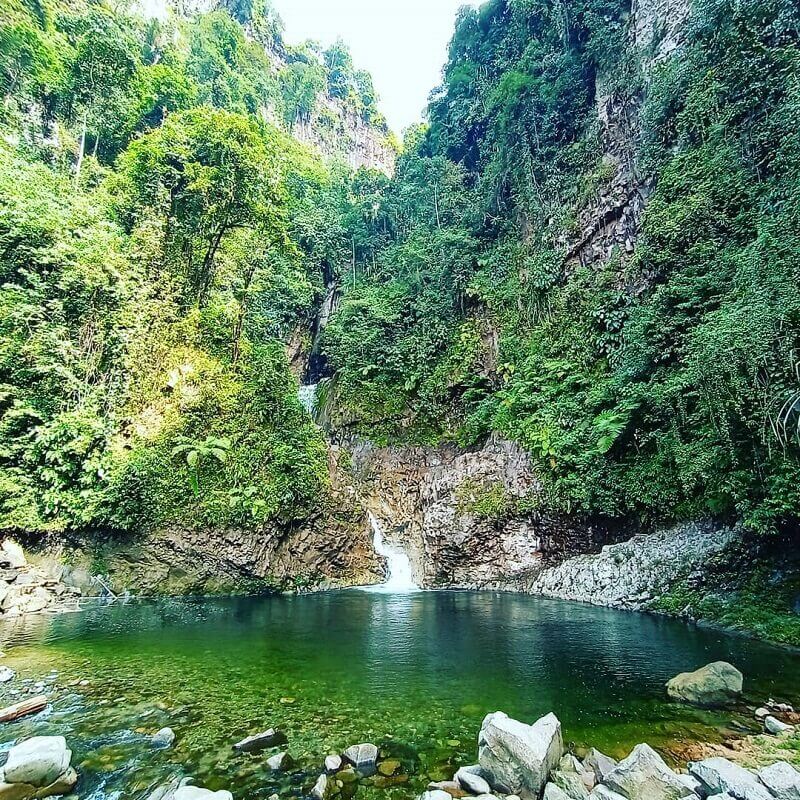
<point x="782" y="779"/>
<point x="643" y="775"/>
<point x="363" y="757"/>
<point x="261" y="741"/>
<point x="333" y="763"/>
<point x="774" y="726"/>
<point x="718" y="775"/>
<point x="716" y="684"/>
<point x="324" y="788"/>
<point x="472" y="782"/>
<point x="280" y="761"/>
<point x="517" y="757"/>
<point x="163" y="738"/>
<point x="452" y="788"/>
<point x="38" y="761"/>
<point x="6" y="674"/>
<point x="599" y="763"/>
<point x="198" y="793"/>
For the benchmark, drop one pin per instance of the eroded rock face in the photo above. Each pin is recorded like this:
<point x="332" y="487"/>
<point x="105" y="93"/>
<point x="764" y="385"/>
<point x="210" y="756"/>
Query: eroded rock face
<point x="714" y="685"/>
<point x="518" y="758"/>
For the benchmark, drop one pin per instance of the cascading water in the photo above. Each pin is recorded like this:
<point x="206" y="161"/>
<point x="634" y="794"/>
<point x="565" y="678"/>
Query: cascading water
<point x="400" y="577"/>
<point x="307" y="394"/>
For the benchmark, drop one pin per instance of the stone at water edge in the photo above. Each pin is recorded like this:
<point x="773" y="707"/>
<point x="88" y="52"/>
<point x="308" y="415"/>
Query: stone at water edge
<point x="472" y="782"/>
<point x="517" y="757"/>
<point x="643" y="775"/>
<point x="782" y="779"/>
<point x="38" y="761"/>
<point x="553" y="792"/>
<point x="163" y="738"/>
<point x="280" y="761"/>
<point x="571" y="783"/>
<point x="601" y="792"/>
<point x="197" y="793"/>
<point x="324" y="788"/>
<point x="6" y="674"/>
<point x="333" y="763"/>
<point x="12" y="554"/>
<point x="718" y="775"/>
<point x="452" y="788"/>
<point x="362" y="756"/>
<point x="774" y="726"/>
<point x="599" y="763"/>
<point x="716" y="684"/>
<point x="435" y="794"/>
<point x="761" y="713"/>
<point x="261" y="741"/>
<point x="389" y="767"/>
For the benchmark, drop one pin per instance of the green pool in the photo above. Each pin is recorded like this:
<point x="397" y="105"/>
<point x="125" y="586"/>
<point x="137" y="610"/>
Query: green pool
<point x="413" y="673"/>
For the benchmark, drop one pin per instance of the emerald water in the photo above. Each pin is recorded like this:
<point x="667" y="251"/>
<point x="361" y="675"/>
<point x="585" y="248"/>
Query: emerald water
<point x="413" y="673"/>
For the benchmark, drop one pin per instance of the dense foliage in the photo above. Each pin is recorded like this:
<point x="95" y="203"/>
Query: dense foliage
<point x="159" y="242"/>
<point x="659" y="384"/>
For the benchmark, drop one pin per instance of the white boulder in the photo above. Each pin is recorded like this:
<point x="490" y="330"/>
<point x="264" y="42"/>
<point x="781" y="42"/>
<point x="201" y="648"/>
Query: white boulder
<point x="774" y="726"/>
<point x="718" y="775"/>
<point x="782" y="779"/>
<point x="198" y="793"/>
<point x="518" y="758"/>
<point x="643" y="775"/>
<point x="599" y="763"/>
<point x="38" y="761"/>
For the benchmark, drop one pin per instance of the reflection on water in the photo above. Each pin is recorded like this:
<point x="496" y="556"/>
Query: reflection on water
<point x="415" y="673"/>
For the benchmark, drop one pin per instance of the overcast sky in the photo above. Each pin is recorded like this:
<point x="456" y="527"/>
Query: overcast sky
<point x="403" y="43"/>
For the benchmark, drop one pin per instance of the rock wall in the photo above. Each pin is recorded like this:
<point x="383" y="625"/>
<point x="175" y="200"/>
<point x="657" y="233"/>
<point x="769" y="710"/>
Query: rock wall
<point x="457" y="514"/>
<point x="630" y="574"/>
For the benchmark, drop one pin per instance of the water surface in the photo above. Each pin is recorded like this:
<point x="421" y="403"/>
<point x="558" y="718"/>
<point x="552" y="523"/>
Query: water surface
<point x="413" y="673"/>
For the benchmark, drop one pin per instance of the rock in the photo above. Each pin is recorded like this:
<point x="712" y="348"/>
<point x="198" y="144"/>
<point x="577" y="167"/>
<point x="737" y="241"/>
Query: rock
<point x="333" y="763"/>
<point x="517" y="757"/>
<point x="6" y="674"/>
<point x="324" y="788"/>
<point x="38" y="761"/>
<point x="599" y="763"/>
<point x="761" y="713"/>
<point x="782" y="779"/>
<point x="261" y="741"/>
<point x="388" y="767"/>
<point x="601" y="792"/>
<point x="774" y="726"/>
<point x="197" y="793"/>
<point x="12" y="554"/>
<point x="435" y="794"/>
<point x="691" y="782"/>
<point x="363" y="757"/>
<point x="553" y="792"/>
<point x="472" y="782"/>
<point x="643" y="775"/>
<point x="452" y="788"/>
<point x="715" y="684"/>
<point x="163" y="738"/>
<point x="569" y="763"/>
<point x="570" y="783"/>
<point x="280" y="761"/>
<point x="26" y="791"/>
<point x="718" y="775"/>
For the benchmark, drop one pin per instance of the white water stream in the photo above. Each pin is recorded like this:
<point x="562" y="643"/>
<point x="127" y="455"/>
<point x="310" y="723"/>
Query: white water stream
<point x="307" y="394"/>
<point x="401" y="578"/>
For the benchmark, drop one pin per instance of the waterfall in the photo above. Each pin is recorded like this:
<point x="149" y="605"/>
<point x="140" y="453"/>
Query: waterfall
<point x="400" y="577"/>
<point x="307" y="394"/>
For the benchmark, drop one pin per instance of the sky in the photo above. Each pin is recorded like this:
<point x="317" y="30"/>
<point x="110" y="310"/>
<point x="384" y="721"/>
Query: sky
<point x="403" y="43"/>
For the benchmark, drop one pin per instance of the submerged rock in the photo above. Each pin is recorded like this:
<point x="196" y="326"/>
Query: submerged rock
<point x="718" y="775"/>
<point x="517" y="757"/>
<point x="363" y="757"/>
<point x="716" y="684"/>
<point x="782" y="779"/>
<point x="261" y="741"/>
<point x="643" y="775"/>
<point x="333" y="763"/>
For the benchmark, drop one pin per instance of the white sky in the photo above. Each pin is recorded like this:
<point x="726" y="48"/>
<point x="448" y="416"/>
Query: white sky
<point x="403" y="43"/>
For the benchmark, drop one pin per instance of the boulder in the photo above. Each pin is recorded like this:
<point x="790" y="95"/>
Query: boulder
<point x="570" y="783"/>
<point x="324" y="788"/>
<point x="280" y="761"/>
<point x="782" y="779"/>
<point x="197" y="793"/>
<point x="774" y="726"/>
<point x="601" y="792"/>
<point x="38" y="761"/>
<point x="363" y="757"/>
<point x="452" y="788"/>
<point x="333" y="763"/>
<point x="163" y="738"/>
<point x="261" y="741"/>
<point x="6" y="674"/>
<point x="718" y="775"/>
<point x="518" y="758"/>
<point x="12" y="554"/>
<point x="569" y="763"/>
<point x="643" y="775"/>
<point x="472" y="782"/>
<point x="716" y="684"/>
<point x="599" y="763"/>
<point x="553" y="792"/>
<point x="761" y="713"/>
<point x="435" y="794"/>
